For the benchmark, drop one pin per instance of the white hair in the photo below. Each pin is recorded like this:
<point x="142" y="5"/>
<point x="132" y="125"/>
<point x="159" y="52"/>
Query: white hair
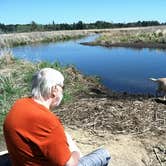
<point x="44" y="80"/>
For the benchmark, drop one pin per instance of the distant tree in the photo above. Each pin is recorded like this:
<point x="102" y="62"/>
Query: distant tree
<point x="23" y="27"/>
<point x="103" y="24"/>
<point x="53" y="25"/>
<point x="2" y="28"/>
<point x="11" y="28"/>
<point x="79" y="25"/>
<point x="34" y="26"/>
<point x="139" y="23"/>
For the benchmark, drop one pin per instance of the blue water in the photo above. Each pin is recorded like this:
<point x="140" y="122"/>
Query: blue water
<point x="120" y="69"/>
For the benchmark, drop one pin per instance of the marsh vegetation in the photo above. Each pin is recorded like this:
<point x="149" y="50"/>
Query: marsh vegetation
<point x="16" y="39"/>
<point x="137" y="38"/>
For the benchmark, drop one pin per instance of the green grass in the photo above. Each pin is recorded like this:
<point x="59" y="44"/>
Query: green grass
<point x="15" y="82"/>
<point x="9" y="91"/>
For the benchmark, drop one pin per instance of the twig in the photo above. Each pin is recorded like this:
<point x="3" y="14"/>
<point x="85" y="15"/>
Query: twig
<point x="154" y="150"/>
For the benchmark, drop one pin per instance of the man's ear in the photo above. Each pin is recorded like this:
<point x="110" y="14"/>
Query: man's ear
<point x="54" y="92"/>
<point x="52" y="95"/>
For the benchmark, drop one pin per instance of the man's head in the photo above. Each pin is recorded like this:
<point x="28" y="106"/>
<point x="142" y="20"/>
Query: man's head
<point x="47" y="84"/>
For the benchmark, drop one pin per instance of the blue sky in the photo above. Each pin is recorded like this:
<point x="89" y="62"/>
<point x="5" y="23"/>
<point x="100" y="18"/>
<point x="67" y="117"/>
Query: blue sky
<point x="69" y="11"/>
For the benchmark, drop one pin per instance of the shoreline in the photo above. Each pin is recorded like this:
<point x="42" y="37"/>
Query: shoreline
<point x="138" y="45"/>
<point x="18" y="39"/>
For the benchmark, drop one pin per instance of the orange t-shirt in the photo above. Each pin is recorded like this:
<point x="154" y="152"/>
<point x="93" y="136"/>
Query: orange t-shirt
<point x="35" y="136"/>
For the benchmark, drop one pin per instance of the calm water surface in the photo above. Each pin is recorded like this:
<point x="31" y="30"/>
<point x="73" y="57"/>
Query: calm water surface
<point x="120" y="69"/>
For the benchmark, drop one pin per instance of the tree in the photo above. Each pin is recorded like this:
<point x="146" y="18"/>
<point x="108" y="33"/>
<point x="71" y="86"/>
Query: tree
<point x="34" y="26"/>
<point x="79" y="25"/>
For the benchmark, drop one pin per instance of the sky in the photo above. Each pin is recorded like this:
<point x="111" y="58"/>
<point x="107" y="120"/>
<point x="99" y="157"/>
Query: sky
<point x="88" y="11"/>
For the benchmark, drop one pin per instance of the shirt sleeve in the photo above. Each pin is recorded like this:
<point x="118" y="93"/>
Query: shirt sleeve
<point x="56" y="148"/>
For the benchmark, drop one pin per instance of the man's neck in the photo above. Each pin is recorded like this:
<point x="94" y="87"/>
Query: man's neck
<point x="45" y="103"/>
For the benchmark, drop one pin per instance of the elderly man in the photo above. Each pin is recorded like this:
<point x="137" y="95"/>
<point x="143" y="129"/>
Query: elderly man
<point x="35" y="136"/>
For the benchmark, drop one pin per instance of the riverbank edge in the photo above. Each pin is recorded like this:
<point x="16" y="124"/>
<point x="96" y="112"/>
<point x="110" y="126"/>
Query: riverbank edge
<point x="138" y="45"/>
<point x="18" y="39"/>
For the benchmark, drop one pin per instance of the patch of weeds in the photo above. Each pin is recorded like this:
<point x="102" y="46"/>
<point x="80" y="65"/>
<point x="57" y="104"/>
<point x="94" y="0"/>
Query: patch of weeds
<point x="8" y="94"/>
<point x="67" y="96"/>
<point x="6" y="85"/>
<point x="6" y="57"/>
<point x="55" y="65"/>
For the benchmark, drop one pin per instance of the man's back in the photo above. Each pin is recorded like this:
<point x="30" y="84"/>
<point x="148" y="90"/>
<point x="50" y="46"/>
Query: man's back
<point x="34" y="135"/>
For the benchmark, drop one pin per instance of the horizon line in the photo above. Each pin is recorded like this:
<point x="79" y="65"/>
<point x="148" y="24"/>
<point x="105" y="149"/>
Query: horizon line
<point x="160" y="22"/>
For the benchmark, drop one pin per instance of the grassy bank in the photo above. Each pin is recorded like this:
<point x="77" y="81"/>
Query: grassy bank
<point x="15" y="39"/>
<point x="139" y="38"/>
<point x="15" y="81"/>
<point x="130" y="37"/>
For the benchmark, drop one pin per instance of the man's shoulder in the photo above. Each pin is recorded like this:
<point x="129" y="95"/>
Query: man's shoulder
<point x="21" y="100"/>
<point x="29" y="110"/>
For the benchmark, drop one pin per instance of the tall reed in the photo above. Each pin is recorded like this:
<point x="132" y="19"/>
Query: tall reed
<point x="15" y="39"/>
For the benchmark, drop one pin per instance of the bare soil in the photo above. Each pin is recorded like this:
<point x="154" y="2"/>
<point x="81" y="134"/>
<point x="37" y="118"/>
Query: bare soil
<point x="131" y="127"/>
<point x="125" y="150"/>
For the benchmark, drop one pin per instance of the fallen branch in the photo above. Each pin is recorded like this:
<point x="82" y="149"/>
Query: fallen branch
<point x="158" y="158"/>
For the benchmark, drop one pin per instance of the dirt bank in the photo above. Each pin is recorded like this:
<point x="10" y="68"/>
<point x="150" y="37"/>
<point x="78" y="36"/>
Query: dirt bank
<point x="138" y="45"/>
<point x="125" y="149"/>
<point x="132" y="127"/>
<point x="132" y="38"/>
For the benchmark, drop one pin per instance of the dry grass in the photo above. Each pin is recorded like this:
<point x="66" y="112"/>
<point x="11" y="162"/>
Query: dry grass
<point x="14" y="39"/>
<point x="133" y="36"/>
<point x="117" y="116"/>
<point x="6" y="57"/>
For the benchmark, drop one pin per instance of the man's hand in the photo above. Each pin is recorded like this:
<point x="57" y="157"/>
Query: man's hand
<point x="72" y="145"/>
<point x="74" y="159"/>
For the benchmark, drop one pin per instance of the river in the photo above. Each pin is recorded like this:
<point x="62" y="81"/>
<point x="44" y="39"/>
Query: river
<point x="120" y="69"/>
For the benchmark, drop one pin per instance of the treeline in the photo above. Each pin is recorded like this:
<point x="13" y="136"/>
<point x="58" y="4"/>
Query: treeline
<point x="33" y="26"/>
